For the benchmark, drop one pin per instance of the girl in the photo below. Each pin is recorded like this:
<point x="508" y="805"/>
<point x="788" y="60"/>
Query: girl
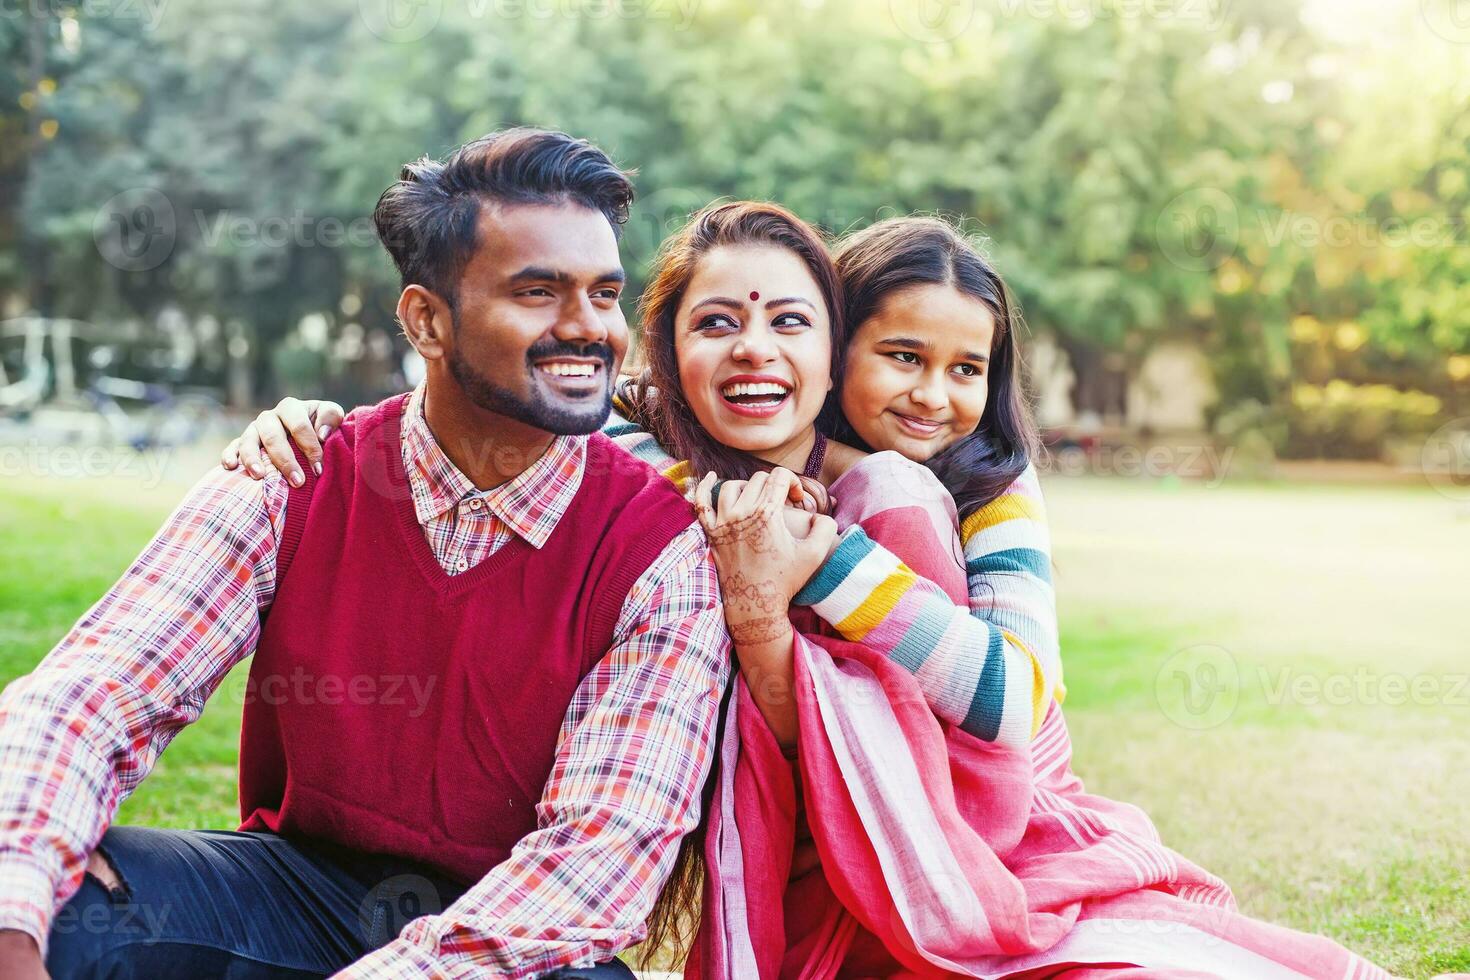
<point x="930" y="824"/>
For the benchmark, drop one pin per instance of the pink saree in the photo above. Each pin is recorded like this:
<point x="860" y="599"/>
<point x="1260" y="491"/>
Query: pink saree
<point x="943" y="855"/>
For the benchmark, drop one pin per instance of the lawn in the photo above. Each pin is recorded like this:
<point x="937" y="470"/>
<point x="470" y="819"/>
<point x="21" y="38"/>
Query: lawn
<point x="1278" y="674"/>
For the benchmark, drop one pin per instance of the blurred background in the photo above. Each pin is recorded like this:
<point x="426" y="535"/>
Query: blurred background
<point x="1237" y="228"/>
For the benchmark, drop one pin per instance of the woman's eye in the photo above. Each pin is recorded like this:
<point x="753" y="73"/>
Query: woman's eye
<point x="968" y="370"/>
<point x="716" y="321"/>
<point x="905" y="356"/>
<point x="790" y="320"/>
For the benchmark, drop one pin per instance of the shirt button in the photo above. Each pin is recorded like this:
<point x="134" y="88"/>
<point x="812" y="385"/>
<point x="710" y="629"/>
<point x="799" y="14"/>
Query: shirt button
<point x="476" y="503"/>
<point x="461" y="565"/>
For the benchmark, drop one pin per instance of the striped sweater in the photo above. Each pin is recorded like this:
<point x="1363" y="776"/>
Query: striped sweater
<point x="993" y="667"/>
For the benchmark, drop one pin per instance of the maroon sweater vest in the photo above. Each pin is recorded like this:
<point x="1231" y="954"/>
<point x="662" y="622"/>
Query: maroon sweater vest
<point x="395" y="709"/>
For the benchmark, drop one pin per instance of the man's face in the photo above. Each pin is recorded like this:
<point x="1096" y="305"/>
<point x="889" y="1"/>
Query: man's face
<point x="539" y="334"/>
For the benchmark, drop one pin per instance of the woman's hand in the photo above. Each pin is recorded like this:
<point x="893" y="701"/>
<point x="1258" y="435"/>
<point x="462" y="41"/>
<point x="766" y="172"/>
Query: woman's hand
<point x="306" y="423"/>
<point x="764" y="550"/>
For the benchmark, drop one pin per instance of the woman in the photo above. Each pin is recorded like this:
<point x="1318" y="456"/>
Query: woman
<point x="962" y="845"/>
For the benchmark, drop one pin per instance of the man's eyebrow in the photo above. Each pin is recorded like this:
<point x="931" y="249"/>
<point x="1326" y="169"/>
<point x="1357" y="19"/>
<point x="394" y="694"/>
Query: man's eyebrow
<point x="541" y="273"/>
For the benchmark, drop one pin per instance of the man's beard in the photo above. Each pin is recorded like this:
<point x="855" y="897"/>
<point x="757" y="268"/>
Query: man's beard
<point x="534" y="410"/>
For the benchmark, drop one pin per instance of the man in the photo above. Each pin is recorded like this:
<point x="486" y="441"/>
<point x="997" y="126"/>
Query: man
<point x="488" y="645"/>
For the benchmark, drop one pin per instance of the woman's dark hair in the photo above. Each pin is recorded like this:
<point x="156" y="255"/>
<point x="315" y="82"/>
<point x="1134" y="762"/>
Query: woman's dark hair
<point x="897" y="253"/>
<point x="427" y="218"/>
<point x="656" y="398"/>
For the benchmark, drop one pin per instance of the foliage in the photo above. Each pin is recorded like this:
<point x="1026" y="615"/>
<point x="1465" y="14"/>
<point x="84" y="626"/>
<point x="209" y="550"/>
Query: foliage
<point x="1221" y="170"/>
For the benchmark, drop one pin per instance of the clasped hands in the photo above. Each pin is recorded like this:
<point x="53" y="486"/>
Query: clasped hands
<point x="769" y="535"/>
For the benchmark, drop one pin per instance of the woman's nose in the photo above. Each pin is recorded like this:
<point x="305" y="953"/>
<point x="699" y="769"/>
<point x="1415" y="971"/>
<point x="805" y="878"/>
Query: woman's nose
<point x="754" y="348"/>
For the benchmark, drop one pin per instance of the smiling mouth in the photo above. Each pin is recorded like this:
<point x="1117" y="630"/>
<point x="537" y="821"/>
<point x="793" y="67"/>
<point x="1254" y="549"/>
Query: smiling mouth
<point x="755" y="394"/>
<point x="918" y="426"/>
<point x="570" y="370"/>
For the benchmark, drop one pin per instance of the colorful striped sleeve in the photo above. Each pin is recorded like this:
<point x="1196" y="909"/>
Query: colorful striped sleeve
<point x="621" y="429"/>
<point x="992" y="667"/>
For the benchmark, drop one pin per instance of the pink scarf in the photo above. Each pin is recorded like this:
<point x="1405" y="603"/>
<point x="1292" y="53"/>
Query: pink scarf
<point x="943" y="855"/>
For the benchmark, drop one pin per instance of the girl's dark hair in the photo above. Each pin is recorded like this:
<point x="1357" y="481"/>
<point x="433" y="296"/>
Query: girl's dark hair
<point x="427" y="218"/>
<point x="656" y="399"/>
<point x="896" y="253"/>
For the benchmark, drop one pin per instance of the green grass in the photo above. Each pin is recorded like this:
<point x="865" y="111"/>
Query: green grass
<point x="1346" y="816"/>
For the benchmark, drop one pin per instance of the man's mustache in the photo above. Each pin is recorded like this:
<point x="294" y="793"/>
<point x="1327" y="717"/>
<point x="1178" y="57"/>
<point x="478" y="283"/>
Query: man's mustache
<point x="545" y="350"/>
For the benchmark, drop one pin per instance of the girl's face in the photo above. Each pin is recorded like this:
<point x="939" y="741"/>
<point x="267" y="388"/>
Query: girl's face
<point x="915" y="377"/>
<point x="753" y="341"/>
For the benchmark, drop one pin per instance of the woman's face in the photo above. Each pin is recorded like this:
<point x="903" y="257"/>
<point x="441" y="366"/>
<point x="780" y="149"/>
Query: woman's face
<point x="915" y="380"/>
<point x="753" y="341"/>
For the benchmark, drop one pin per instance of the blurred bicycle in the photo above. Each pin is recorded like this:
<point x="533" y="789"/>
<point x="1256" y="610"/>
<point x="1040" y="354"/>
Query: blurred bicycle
<point x="147" y="415"/>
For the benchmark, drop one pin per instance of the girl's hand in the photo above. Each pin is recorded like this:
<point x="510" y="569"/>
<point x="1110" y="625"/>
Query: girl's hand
<point x="764" y="550"/>
<point x="306" y="423"/>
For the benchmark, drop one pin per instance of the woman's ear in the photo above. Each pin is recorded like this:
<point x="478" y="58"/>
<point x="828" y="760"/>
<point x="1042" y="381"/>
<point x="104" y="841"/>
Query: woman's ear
<point x="426" y="321"/>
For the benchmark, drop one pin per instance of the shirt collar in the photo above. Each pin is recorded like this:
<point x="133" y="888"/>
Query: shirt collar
<point x="531" y="505"/>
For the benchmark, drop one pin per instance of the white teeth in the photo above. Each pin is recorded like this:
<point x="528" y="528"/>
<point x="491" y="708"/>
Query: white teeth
<point x="757" y="388"/>
<point x="570" y="370"/>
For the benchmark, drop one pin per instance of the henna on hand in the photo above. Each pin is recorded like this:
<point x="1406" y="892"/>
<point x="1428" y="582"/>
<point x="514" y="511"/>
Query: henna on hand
<point x="763" y="629"/>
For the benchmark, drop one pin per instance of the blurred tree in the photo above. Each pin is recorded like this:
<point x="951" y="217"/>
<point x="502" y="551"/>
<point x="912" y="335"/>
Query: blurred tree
<point x="1141" y="171"/>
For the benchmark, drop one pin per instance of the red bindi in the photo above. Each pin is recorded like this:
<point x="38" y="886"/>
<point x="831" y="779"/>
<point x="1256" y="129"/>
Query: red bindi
<point x="754" y="295"/>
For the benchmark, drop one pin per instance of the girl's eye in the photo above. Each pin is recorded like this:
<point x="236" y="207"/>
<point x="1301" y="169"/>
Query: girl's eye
<point x="790" y="320"/>
<point x="905" y="356"/>
<point x="968" y="370"/>
<point x="716" y="321"/>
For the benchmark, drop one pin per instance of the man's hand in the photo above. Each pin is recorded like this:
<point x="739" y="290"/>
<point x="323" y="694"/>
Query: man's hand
<point x="20" y="957"/>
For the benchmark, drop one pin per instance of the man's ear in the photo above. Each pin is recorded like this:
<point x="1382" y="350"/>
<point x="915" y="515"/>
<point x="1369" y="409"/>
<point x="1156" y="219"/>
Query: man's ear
<point x="426" y="321"/>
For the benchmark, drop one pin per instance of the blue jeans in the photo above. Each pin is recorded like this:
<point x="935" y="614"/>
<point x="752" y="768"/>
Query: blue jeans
<point x="195" y="904"/>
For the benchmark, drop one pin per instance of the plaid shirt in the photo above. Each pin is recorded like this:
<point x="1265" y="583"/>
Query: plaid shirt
<point x="81" y="731"/>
